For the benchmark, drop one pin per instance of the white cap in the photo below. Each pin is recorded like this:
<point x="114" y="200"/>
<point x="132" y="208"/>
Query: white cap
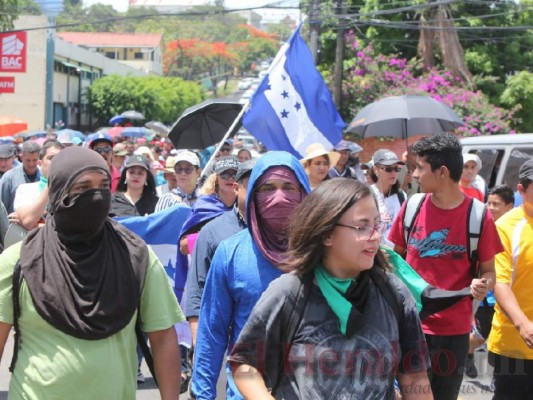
<point x="472" y="157"/>
<point x="188" y="156"/>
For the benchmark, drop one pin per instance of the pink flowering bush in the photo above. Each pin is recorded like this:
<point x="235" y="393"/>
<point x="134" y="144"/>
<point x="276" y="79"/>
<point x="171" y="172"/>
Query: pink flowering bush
<point x="369" y="77"/>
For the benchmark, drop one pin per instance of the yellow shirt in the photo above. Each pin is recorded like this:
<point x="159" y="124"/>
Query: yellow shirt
<point x="514" y="267"/>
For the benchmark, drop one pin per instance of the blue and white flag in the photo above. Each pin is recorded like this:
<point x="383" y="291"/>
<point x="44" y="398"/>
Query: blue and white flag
<point x="292" y="107"/>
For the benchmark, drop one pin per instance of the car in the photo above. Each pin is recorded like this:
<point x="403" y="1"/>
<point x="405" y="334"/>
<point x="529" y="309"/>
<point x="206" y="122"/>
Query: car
<point x="247" y="141"/>
<point x="244" y="84"/>
<point x="265" y="64"/>
<point x="501" y="156"/>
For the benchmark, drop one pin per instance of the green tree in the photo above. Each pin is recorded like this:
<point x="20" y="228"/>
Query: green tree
<point x="519" y="92"/>
<point x="158" y="98"/>
<point x="8" y="13"/>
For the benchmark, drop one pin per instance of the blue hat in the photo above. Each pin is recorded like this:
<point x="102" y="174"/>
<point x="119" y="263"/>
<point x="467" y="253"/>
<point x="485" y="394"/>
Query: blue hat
<point x="99" y="137"/>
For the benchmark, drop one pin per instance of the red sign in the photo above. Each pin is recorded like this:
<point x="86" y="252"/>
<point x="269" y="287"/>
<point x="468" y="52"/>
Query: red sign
<point x="13" y="52"/>
<point x="7" y="84"/>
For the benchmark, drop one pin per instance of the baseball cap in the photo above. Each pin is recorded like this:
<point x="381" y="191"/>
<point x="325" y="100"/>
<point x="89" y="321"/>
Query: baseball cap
<point x="7" y="150"/>
<point x="138" y="160"/>
<point x="472" y="157"/>
<point x="385" y="157"/>
<point x="526" y="170"/>
<point x="350" y="146"/>
<point x="245" y="168"/>
<point x="187" y="156"/>
<point x="120" y="150"/>
<point x="99" y="137"/>
<point x="225" y="163"/>
<point x="169" y="164"/>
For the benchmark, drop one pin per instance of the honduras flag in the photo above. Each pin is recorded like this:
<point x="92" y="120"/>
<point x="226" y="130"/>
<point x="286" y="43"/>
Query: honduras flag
<point x="292" y="107"/>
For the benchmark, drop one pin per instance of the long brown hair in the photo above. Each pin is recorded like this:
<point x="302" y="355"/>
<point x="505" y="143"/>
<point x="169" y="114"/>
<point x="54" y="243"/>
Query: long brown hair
<point x="316" y="217"/>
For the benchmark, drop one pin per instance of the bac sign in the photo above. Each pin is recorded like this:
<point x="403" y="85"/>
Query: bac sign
<point x="7" y="84"/>
<point x="13" y="52"/>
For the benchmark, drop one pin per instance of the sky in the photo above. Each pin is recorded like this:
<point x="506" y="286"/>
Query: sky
<point x="122" y="5"/>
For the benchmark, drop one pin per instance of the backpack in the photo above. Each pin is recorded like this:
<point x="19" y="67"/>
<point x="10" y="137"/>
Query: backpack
<point x="17" y="283"/>
<point x="294" y="306"/>
<point x="476" y="215"/>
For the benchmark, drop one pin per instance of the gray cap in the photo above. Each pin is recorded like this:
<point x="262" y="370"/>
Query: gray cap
<point x="7" y="150"/>
<point x="225" y="163"/>
<point x="526" y="170"/>
<point x="385" y="157"/>
<point x="245" y="168"/>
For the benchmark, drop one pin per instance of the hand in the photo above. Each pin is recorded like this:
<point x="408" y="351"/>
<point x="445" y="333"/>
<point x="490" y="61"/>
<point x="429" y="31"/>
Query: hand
<point x="479" y="288"/>
<point x="526" y="332"/>
<point x="13" y="218"/>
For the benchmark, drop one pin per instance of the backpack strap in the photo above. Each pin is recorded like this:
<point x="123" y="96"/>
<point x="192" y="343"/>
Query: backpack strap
<point x="141" y="340"/>
<point x="391" y="295"/>
<point x="476" y="215"/>
<point x="412" y="208"/>
<point x="291" y="316"/>
<point x="17" y="282"/>
<point x="401" y="196"/>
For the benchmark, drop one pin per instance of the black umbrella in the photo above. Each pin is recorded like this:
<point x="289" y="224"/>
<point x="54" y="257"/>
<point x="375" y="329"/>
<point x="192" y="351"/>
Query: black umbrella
<point x="204" y="124"/>
<point x="404" y="116"/>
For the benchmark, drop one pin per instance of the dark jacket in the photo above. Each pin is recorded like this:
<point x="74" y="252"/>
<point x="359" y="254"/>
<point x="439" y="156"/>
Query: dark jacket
<point x="121" y="206"/>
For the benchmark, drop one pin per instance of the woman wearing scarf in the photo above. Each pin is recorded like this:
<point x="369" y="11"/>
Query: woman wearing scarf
<point x="349" y="342"/>
<point x="84" y="279"/>
<point x="136" y="194"/>
<point x="244" y="265"/>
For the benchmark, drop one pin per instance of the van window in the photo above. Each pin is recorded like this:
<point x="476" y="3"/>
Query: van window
<point x="517" y="157"/>
<point x="491" y="160"/>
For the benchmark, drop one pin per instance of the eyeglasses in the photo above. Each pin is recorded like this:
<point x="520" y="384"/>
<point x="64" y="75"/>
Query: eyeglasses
<point x="186" y="170"/>
<point x="391" y="169"/>
<point x="225" y="149"/>
<point x="367" y="232"/>
<point x="228" y="175"/>
<point x="319" y="163"/>
<point x="101" y="150"/>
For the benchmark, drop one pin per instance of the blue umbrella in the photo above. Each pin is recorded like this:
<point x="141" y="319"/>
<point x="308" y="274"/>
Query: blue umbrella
<point x="72" y="133"/>
<point x="35" y="135"/>
<point x="135" y="132"/>
<point x="7" y="139"/>
<point x="117" y="119"/>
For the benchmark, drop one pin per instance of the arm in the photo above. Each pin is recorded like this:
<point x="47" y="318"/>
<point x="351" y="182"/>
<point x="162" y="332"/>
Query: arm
<point x="164" y="345"/>
<point x="30" y="215"/>
<point x="4" y="333"/>
<point x="399" y="250"/>
<point x="193" y="322"/>
<point x="415" y="386"/>
<point x="508" y="303"/>
<point x="250" y="383"/>
<point x="480" y="287"/>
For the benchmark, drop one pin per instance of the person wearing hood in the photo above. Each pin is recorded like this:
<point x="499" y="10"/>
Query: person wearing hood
<point x="244" y="265"/>
<point x="84" y="279"/>
<point x="136" y="194"/>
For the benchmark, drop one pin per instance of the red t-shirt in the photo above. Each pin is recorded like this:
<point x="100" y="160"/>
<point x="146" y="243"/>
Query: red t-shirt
<point x="115" y="178"/>
<point x="472" y="192"/>
<point x="437" y="250"/>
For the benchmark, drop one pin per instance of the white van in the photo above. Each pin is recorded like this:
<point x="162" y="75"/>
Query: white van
<point x="501" y="156"/>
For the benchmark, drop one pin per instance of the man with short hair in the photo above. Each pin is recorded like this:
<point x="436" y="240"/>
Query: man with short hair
<point x="343" y="168"/>
<point x="25" y="173"/>
<point x="437" y="247"/>
<point x="500" y="200"/>
<point x="510" y="342"/>
<point x="102" y="143"/>
<point x="120" y="152"/>
<point x="7" y="157"/>
<point x="472" y="165"/>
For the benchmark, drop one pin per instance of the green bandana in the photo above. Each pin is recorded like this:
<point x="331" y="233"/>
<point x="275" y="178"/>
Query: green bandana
<point x="334" y="290"/>
<point x="43" y="183"/>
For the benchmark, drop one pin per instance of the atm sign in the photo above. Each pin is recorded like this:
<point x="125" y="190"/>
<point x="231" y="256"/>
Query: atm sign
<point x="7" y="84"/>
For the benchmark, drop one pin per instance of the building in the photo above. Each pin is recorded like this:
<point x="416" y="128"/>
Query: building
<point x="143" y="51"/>
<point x="23" y="77"/>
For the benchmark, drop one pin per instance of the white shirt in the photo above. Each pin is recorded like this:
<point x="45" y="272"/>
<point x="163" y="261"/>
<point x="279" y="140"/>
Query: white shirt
<point x="389" y="208"/>
<point x="26" y="194"/>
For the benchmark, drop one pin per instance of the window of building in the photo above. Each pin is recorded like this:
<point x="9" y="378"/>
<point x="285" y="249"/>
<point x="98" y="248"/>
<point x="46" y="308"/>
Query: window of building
<point x="138" y="55"/>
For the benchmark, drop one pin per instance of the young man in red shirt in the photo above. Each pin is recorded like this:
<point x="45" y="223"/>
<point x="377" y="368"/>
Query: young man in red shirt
<point x="437" y="248"/>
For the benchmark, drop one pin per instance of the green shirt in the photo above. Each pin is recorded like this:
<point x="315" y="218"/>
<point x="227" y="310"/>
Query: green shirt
<point x="54" y="365"/>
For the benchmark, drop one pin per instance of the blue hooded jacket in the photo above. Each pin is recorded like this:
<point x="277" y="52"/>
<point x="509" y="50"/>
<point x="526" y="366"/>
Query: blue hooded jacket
<point x="238" y="276"/>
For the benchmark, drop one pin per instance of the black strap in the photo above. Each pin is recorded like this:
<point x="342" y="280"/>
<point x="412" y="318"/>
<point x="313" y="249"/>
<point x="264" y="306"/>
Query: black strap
<point x="17" y="282"/>
<point x="401" y="196"/>
<point x="141" y="340"/>
<point x="391" y="294"/>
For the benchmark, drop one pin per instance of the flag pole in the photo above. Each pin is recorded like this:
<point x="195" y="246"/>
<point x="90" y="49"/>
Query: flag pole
<point x="226" y="136"/>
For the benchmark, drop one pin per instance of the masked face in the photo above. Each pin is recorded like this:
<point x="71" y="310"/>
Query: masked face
<point x="275" y="201"/>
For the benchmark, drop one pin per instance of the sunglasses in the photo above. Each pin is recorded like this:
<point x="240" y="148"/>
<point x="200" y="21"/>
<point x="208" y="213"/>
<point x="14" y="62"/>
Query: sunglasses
<point x="391" y="169"/>
<point x="225" y="149"/>
<point x="105" y="150"/>
<point x="228" y="175"/>
<point x="186" y="170"/>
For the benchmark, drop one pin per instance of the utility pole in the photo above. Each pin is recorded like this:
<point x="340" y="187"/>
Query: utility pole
<point x="339" y="55"/>
<point x="314" y="29"/>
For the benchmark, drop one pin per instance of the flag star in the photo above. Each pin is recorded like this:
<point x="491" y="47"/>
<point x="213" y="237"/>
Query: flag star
<point x="269" y="87"/>
<point x="285" y="94"/>
<point x="284" y="114"/>
<point x="297" y="106"/>
<point x="283" y="77"/>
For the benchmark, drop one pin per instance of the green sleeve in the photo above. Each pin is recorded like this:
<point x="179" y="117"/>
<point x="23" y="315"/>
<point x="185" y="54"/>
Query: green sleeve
<point x="159" y="307"/>
<point x="8" y="260"/>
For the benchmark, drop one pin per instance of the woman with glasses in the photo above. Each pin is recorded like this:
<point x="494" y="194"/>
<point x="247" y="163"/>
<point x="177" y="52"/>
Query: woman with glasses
<point x="136" y="193"/>
<point x="345" y="340"/>
<point x="187" y="171"/>
<point x="385" y="170"/>
<point x="317" y="163"/>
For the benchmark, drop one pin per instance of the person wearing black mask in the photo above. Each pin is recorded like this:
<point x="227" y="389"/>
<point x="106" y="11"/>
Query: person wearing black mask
<point x="84" y="279"/>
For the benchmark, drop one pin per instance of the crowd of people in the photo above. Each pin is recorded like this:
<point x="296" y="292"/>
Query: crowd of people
<point x="289" y="271"/>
